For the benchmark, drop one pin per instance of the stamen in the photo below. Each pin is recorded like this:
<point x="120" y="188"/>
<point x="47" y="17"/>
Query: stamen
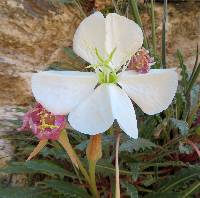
<point x="44" y="125"/>
<point x="103" y="68"/>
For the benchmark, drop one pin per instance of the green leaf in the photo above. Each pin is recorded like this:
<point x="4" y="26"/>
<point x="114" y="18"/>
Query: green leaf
<point x="17" y="192"/>
<point x="191" y="190"/>
<point x="70" y="53"/>
<point x="194" y="96"/>
<point x="105" y="167"/>
<point x="177" y="180"/>
<point x="149" y="180"/>
<point x="136" y="144"/>
<point x="47" y="167"/>
<point x="151" y="122"/>
<point x="130" y="189"/>
<point x="195" y="72"/>
<point x="180" y="104"/>
<point x="181" y="125"/>
<point x="135" y="169"/>
<point x="82" y="146"/>
<point x="184" y="72"/>
<point x="37" y="166"/>
<point x="55" y="66"/>
<point x="67" y="188"/>
<point x="57" y="153"/>
<point x="16" y="167"/>
<point x="163" y="195"/>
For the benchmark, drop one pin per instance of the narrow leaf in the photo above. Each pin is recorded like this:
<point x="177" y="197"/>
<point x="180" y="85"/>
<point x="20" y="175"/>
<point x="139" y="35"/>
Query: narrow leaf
<point x="47" y="167"/>
<point x="179" y="178"/>
<point x="163" y="195"/>
<point x="67" y="188"/>
<point x="17" y="192"/>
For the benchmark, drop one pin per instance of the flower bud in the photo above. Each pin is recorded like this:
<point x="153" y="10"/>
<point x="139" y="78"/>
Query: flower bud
<point x="94" y="148"/>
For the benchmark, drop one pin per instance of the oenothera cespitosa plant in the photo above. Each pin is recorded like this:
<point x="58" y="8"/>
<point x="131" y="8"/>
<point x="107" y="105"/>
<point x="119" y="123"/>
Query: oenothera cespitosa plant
<point x="120" y="72"/>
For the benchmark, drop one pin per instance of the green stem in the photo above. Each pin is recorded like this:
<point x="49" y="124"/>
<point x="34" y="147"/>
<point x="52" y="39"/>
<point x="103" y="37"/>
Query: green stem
<point x="138" y="20"/>
<point x="195" y="64"/>
<point x="76" y="2"/>
<point x="115" y="6"/>
<point x="92" y="167"/>
<point x="153" y="27"/>
<point x="193" y="80"/>
<point x="164" y="35"/>
<point x="194" y="187"/>
<point x="90" y="179"/>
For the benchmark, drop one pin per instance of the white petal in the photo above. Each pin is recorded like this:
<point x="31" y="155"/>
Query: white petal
<point x="152" y="92"/>
<point x="123" y="111"/>
<point x="90" y="35"/>
<point x="97" y="113"/>
<point x="60" y="91"/>
<point x="94" y="115"/>
<point x="124" y="35"/>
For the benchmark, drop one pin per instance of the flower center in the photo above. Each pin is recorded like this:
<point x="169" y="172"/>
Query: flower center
<point x="106" y="74"/>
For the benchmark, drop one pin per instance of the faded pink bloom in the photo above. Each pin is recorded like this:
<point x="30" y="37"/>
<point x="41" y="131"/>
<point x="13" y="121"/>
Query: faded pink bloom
<point x="43" y="124"/>
<point x="141" y="61"/>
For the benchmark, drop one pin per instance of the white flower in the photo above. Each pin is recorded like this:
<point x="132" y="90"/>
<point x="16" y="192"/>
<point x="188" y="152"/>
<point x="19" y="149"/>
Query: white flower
<point x="95" y="100"/>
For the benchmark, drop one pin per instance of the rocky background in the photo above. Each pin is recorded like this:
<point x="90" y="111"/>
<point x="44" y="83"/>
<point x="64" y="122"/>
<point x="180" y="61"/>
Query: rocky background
<point x="33" y="34"/>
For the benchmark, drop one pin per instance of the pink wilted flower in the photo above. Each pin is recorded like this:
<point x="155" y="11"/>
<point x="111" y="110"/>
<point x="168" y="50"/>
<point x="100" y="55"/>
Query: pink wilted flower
<point x="141" y="61"/>
<point x="44" y="125"/>
<point x="47" y="126"/>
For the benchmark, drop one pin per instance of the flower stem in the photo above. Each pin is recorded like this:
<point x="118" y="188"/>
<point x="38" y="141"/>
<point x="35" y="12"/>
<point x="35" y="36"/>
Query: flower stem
<point x="94" y="153"/>
<point x="90" y="180"/>
<point x="64" y="141"/>
<point x="117" y="190"/>
<point x="72" y="154"/>
<point x="164" y="34"/>
<point x="92" y="167"/>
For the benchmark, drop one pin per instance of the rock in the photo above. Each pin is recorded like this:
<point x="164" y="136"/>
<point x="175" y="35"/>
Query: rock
<point x="9" y="115"/>
<point x="32" y="34"/>
<point x="9" y="119"/>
